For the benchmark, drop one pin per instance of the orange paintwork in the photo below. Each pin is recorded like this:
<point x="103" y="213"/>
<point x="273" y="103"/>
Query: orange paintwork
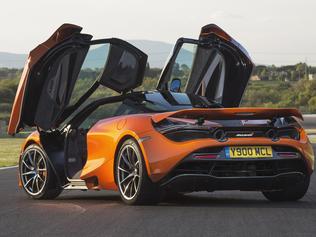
<point x="35" y="55"/>
<point x="214" y="29"/>
<point x="160" y="154"/>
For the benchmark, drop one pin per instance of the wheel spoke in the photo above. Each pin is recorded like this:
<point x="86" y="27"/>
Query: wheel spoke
<point x="41" y="169"/>
<point x="39" y="176"/>
<point x="37" y="186"/>
<point x="120" y="168"/>
<point x="28" y="173"/>
<point x="126" y="161"/>
<point x="126" y="187"/>
<point x="39" y="161"/>
<point x="30" y="160"/>
<point x="34" y="159"/>
<point x="127" y="177"/>
<point x="128" y="155"/>
<point x="34" y="156"/>
<point x="25" y="185"/>
<point x="135" y="187"/>
<point x="136" y="163"/>
<point x="33" y="183"/>
<point x="132" y="154"/>
<point x="26" y="165"/>
<point x="131" y="189"/>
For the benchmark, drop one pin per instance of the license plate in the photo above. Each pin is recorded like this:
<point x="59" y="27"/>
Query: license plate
<point x="249" y="152"/>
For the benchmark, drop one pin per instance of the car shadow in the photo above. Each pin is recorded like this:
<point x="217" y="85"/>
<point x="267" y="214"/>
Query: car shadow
<point x="219" y="200"/>
<point x="229" y="201"/>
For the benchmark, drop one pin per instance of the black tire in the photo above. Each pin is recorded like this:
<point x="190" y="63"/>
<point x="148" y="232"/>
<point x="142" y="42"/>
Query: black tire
<point x="146" y="192"/>
<point x="291" y="193"/>
<point x="50" y="188"/>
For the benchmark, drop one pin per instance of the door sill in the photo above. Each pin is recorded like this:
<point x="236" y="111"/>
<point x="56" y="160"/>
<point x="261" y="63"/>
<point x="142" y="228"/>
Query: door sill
<point x="76" y="184"/>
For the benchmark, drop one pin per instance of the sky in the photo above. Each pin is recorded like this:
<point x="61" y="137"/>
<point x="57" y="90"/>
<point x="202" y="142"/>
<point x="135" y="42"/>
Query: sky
<point x="273" y="31"/>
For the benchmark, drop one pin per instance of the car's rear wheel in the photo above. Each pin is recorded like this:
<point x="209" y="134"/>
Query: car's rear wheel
<point x="132" y="180"/>
<point x="291" y="193"/>
<point x="36" y="174"/>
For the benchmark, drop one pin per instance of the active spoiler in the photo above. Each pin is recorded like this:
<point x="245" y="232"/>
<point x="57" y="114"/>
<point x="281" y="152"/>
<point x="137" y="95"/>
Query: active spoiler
<point x="229" y="113"/>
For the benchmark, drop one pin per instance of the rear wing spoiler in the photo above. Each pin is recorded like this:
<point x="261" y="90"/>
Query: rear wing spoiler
<point x="229" y="113"/>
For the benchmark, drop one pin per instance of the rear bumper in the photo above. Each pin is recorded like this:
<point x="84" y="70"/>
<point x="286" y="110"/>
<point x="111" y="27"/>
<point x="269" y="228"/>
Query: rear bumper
<point x="163" y="155"/>
<point x="205" y="182"/>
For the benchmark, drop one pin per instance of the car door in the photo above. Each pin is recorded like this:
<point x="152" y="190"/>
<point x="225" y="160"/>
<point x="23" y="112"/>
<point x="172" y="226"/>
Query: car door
<point x="52" y="69"/>
<point x="214" y="66"/>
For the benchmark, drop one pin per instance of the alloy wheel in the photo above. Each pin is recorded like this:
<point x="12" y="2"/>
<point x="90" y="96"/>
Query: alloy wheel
<point x="129" y="172"/>
<point x="33" y="171"/>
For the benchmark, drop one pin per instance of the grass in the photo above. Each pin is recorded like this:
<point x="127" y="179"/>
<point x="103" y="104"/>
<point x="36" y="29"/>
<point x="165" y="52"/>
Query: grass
<point x="9" y="151"/>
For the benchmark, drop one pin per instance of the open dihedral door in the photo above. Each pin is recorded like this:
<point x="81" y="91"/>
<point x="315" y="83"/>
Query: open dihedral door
<point x="33" y="79"/>
<point x="214" y="66"/>
<point x="45" y="95"/>
<point x="49" y="77"/>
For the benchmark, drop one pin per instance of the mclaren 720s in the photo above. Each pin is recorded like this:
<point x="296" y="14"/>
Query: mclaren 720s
<point x="95" y="130"/>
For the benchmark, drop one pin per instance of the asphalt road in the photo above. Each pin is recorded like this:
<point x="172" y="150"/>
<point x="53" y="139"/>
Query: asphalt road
<point x="77" y="213"/>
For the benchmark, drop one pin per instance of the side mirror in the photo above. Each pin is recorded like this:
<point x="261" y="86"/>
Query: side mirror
<point x="175" y="85"/>
<point x="125" y="67"/>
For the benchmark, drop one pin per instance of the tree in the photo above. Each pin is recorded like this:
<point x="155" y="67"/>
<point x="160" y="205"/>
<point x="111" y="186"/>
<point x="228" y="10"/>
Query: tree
<point x="264" y="74"/>
<point x="312" y="105"/>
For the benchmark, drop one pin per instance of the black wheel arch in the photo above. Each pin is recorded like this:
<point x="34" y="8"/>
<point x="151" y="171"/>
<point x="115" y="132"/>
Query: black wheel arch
<point x="55" y="159"/>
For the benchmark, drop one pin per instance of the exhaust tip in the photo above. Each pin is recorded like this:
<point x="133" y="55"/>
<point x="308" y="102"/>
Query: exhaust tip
<point x="220" y="135"/>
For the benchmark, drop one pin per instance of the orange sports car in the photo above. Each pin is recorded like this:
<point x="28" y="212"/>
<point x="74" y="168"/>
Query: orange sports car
<point x="95" y="131"/>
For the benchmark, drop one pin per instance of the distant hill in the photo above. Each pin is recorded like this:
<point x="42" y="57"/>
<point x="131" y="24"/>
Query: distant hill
<point x="157" y="52"/>
<point x="12" y="60"/>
